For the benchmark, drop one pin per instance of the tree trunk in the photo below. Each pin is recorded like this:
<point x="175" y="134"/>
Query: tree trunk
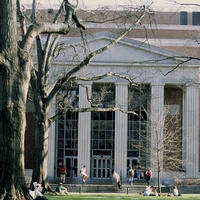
<point x="41" y="150"/>
<point x="12" y="128"/>
<point x="159" y="186"/>
<point x="13" y="91"/>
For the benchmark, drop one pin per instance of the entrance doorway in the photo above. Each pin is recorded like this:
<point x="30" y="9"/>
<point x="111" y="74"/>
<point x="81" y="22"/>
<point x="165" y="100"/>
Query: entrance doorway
<point x="101" y="167"/>
<point x="132" y="161"/>
<point x="71" y="166"/>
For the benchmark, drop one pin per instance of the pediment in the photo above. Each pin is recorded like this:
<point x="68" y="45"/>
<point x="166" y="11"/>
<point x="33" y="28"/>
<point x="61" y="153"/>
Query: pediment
<point x="126" y="51"/>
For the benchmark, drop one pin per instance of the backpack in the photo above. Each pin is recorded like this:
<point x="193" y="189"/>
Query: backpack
<point x="149" y="173"/>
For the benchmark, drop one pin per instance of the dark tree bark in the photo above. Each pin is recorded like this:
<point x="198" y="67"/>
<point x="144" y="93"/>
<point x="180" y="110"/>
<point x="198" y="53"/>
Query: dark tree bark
<point x="14" y="80"/>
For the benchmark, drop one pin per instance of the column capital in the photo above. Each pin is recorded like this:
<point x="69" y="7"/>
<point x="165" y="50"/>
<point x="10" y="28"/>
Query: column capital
<point x="85" y="83"/>
<point x="121" y="83"/>
<point x="157" y="84"/>
<point x="189" y="85"/>
<point x="83" y="101"/>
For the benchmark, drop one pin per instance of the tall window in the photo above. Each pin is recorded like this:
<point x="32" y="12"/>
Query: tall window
<point x="102" y="131"/>
<point x="137" y="125"/>
<point x="67" y="127"/>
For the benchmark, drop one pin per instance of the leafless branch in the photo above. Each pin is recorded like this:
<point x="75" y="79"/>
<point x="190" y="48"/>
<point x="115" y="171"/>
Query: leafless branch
<point x="92" y="109"/>
<point x="22" y="21"/>
<point x="89" y="58"/>
<point x="180" y="63"/>
<point x="187" y="4"/>
<point x="71" y="14"/>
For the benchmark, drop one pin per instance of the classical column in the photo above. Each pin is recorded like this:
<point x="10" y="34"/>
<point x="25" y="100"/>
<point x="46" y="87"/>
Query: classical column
<point x="51" y="145"/>
<point x="191" y="131"/>
<point x="121" y="130"/>
<point x="157" y="123"/>
<point x="84" y="129"/>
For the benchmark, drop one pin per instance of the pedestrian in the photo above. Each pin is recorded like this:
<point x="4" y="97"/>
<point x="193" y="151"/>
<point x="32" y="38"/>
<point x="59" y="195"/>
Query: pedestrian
<point x="63" y="173"/>
<point x="130" y="175"/>
<point x="84" y="175"/>
<point x="148" y="175"/>
<point x="61" y="189"/>
<point x="116" y="181"/>
<point x="138" y="171"/>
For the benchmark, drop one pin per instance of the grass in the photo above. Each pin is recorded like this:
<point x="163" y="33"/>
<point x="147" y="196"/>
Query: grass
<point x="73" y="196"/>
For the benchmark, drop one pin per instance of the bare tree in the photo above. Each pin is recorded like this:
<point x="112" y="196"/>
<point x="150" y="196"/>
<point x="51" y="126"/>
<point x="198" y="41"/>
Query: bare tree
<point x="14" y="78"/>
<point x="166" y="149"/>
<point x="44" y="91"/>
<point x="16" y="70"/>
<point x="160" y="143"/>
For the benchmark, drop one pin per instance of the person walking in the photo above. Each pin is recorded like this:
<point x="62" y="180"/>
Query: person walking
<point x="148" y="175"/>
<point x="84" y="175"/>
<point x="63" y="174"/>
<point x="130" y="175"/>
<point x="138" y="171"/>
<point x="116" y="181"/>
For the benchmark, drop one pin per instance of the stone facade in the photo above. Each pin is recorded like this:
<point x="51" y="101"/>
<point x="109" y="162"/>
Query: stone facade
<point x="146" y="64"/>
<point x="159" y="84"/>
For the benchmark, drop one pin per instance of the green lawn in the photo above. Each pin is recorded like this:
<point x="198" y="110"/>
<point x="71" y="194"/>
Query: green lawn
<point x="117" y="197"/>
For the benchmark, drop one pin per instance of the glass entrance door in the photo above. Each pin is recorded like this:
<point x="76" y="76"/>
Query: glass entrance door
<point x="101" y="167"/>
<point x="132" y="161"/>
<point x="71" y="166"/>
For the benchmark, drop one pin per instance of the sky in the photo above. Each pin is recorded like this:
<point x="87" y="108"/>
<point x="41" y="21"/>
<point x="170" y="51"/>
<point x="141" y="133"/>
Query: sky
<point x="159" y="5"/>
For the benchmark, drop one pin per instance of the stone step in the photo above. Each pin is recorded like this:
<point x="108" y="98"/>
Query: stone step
<point x="89" y="188"/>
<point x="96" y="181"/>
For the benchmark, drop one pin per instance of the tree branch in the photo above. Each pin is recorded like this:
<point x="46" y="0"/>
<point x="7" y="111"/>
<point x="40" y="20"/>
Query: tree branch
<point x="187" y="4"/>
<point x="22" y="21"/>
<point x="73" y="109"/>
<point x="62" y="81"/>
<point x="50" y="47"/>
<point x="71" y="14"/>
<point x="89" y="58"/>
<point x="42" y="28"/>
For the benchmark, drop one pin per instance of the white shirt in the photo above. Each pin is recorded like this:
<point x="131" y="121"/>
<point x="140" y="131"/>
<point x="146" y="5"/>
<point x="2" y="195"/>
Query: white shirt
<point x="175" y="192"/>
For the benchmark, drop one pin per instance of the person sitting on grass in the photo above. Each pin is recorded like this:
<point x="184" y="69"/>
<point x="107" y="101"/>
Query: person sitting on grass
<point x="147" y="191"/>
<point x="36" y="191"/>
<point x="153" y="191"/>
<point x="61" y="189"/>
<point x="175" y="191"/>
<point x="150" y="191"/>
